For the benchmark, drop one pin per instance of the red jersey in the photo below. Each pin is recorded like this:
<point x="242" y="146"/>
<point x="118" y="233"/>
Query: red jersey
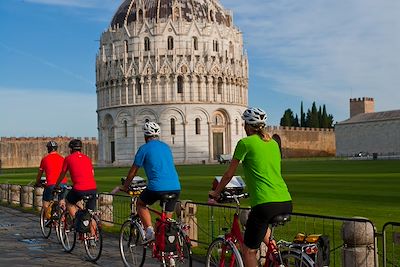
<point x="51" y="165"/>
<point x="81" y="171"/>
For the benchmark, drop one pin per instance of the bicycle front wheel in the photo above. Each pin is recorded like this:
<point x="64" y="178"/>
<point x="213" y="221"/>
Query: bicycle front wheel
<point x="66" y="230"/>
<point x="294" y="258"/>
<point x="94" y="244"/>
<point x="223" y="253"/>
<point x="133" y="253"/>
<point x="184" y="252"/>
<point x="45" y="224"/>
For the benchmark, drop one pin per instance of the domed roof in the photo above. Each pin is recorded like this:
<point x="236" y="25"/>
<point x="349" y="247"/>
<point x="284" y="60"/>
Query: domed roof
<point x="132" y="10"/>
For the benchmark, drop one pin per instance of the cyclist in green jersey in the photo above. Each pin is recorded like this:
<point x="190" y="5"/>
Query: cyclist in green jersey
<point x="269" y="196"/>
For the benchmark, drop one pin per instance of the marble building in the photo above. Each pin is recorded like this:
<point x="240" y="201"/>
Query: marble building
<point x="180" y="63"/>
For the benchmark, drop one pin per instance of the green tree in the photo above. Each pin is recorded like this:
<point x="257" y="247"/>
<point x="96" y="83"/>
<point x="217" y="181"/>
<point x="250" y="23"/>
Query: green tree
<point x="302" y="116"/>
<point x="312" y="117"/>
<point x="288" y="118"/>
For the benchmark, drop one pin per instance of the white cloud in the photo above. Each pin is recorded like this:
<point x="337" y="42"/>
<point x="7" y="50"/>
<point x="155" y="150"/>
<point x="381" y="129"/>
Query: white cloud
<point x="322" y="50"/>
<point x="35" y="112"/>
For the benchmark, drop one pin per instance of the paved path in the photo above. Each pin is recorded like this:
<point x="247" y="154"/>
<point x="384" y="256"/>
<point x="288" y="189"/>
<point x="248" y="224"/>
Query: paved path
<point x="22" y="244"/>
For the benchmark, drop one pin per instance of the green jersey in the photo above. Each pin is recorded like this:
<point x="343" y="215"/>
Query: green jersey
<point x="262" y="170"/>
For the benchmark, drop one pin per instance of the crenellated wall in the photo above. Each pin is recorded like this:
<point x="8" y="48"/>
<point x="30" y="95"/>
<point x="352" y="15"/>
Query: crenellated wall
<point x="28" y="151"/>
<point x="305" y="142"/>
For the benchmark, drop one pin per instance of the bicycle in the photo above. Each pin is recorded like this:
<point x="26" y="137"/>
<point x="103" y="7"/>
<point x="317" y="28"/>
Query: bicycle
<point x="225" y="250"/>
<point x="133" y="245"/>
<point x="68" y="231"/>
<point x="49" y="217"/>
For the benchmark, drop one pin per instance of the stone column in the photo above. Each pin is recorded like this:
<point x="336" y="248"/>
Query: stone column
<point x="158" y="95"/>
<point x="134" y="91"/>
<point x="27" y="196"/>
<point x="202" y="90"/>
<point x="174" y="88"/>
<point x="38" y="198"/>
<point x="4" y="192"/>
<point x="189" y="218"/>
<point x="15" y="194"/>
<point x="105" y="204"/>
<point x="359" y="244"/>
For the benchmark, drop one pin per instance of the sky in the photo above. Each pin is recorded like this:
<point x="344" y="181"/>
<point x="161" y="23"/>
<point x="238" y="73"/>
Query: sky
<point x="326" y="51"/>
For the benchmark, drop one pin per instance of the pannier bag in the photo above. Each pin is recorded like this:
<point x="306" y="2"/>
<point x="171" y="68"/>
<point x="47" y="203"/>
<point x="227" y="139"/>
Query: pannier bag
<point x="322" y="257"/>
<point x="82" y="221"/>
<point x="166" y="235"/>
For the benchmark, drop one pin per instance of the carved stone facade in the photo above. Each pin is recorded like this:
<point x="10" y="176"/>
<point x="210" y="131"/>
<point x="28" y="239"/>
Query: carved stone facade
<point x="180" y="63"/>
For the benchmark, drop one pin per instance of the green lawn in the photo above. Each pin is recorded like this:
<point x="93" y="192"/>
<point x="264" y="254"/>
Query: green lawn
<point x="343" y="188"/>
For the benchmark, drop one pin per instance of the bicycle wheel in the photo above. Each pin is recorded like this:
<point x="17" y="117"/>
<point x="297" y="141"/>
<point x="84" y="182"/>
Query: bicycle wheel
<point x="45" y="224"/>
<point x="94" y="244"/>
<point x="294" y="258"/>
<point x="223" y="253"/>
<point x="185" y="252"/>
<point x="133" y="253"/>
<point x="66" y="229"/>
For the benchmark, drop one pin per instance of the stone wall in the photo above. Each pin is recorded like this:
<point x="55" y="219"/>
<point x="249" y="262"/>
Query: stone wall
<point x="28" y="151"/>
<point x="305" y="142"/>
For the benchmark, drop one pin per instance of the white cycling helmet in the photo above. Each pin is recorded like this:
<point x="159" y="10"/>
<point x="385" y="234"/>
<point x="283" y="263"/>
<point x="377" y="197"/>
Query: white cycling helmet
<point x="151" y="129"/>
<point x="254" y="116"/>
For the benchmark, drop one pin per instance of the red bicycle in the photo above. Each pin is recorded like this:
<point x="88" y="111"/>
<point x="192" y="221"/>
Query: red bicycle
<point x="225" y="250"/>
<point x="172" y="246"/>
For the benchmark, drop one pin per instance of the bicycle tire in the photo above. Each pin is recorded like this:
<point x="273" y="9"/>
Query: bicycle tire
<point x="231" y="257"/>
<point x="67" y="232"/>
<point x="131" y="248"/>
<point x="94" y="246"/>
<point x="45" y="225"/>
<point x="296" y="259"/>
<point x="185" y="254"/>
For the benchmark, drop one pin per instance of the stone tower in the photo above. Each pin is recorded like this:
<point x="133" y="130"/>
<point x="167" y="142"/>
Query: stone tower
<point x="180" y="63"/>
<point x="361" y="105"/>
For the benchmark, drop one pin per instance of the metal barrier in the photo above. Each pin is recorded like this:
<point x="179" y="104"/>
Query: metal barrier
<point x="353" y="241"/>
<point x="391" y="235"/>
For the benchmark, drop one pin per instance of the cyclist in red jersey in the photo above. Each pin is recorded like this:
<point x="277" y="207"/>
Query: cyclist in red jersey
<point x="81" y="173"/>
<point x="51" y="165"/>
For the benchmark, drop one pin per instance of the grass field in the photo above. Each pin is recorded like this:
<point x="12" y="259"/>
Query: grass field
<point x="343" y="188"/>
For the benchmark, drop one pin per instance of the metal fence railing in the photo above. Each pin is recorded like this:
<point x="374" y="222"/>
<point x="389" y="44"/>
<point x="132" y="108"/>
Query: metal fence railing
<point x="391" y="244"/>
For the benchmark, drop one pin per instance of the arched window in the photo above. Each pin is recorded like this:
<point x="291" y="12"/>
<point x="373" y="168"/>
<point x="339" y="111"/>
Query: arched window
<point x="125" y="128"/>
<point x="172" y="126"/>
<point x="141" y="15"/>
<point x="211" y="15"/>
<point x="218" y="120"/>
<point x="220" y="84"/>
<point x="180" y="84"/>
<point x="170" y="43"/>
<point x="146" y="44"/>
<point x="197" y="126"/>
<point x="195" y="43"/>
<point x="237" y="126"/>
<point x="138" y="87"/>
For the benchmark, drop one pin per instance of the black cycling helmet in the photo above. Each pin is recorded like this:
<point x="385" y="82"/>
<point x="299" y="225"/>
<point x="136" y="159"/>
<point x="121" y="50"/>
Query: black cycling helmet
<point x="75" y="144"/>
<point x="51" y="146"/>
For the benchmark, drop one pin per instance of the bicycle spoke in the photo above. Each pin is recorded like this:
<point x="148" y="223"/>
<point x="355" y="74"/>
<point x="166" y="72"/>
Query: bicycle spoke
<point x="220" y="253"/>
<point x="130" y="243"/>
<point x="94" y="244"/>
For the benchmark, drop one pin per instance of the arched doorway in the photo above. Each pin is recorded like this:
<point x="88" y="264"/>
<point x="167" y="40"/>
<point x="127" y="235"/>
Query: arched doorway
<point x="109" y="140"/>
<point x="220" y="134"/>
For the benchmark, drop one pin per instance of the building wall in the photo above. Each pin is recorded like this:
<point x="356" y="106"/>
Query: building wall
<point x="28" y="152"/>
<point x="305" y="142"/>
<point x="382" y="137"/>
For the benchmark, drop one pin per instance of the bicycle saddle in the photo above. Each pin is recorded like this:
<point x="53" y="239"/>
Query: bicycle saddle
<point x="280" y="219"/>
<point x="168" y="196"/>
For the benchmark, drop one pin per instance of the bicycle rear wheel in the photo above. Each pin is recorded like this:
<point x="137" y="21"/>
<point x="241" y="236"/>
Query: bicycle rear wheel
<point x="66" y="229"/>
<point x="45" y="224"/>
<point x="293" y="258"/>
<point x="94" y="244"/>
<point x="133" y="253"/>
<point x="185" y="252"/>
<point x="223" y="253"/>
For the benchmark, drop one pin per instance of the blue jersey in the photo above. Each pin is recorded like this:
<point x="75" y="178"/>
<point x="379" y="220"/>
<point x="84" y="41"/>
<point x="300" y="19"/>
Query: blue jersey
<point x="156" y="159"/>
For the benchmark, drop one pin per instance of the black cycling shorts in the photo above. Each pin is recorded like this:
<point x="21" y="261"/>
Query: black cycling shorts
<point x="259" y="219"/>
<point x="74" y="196"/>
<point x="48" y="193"/>
<point x="150" y="197"/>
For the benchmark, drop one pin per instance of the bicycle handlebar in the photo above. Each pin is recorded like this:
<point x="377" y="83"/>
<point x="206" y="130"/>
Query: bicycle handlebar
<point x="227" y="196"/>
<point x="134" y="187"/>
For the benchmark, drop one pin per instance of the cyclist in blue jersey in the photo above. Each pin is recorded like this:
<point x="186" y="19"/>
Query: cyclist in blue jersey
<point x="156" y="158"/>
